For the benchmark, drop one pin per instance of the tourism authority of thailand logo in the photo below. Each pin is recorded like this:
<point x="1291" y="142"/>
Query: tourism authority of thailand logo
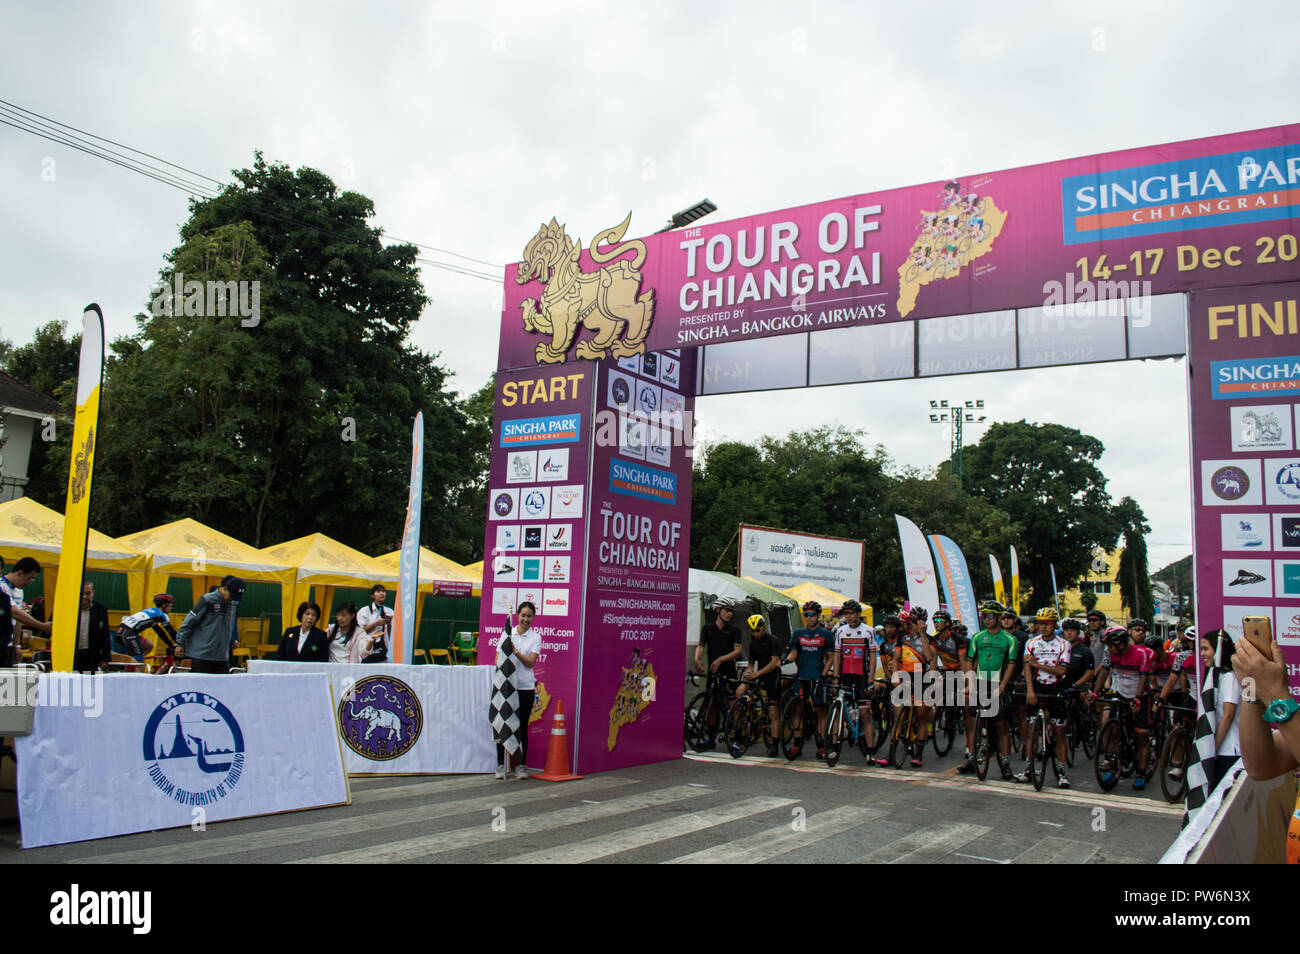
<point x="193" y="748"/>
<point x="380" y="718"/>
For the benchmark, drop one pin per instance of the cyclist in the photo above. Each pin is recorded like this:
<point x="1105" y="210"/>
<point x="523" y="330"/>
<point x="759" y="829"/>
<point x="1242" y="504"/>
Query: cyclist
<point x="1125" y="668"/>
<point x="810" y="650"/>
<point x="1082" y="665"/>
<point x="1014" y="625"/>
<point x="991" y="652"/>
<point x="950" y="641"/>
<point x="855" y="656"/>
<point x="1182" y="675"/>
<point x="913" y="652"/>
<point x="763" y="669"/>
<point x="722" y="640"/>
<point x="1047" y="658"/>
<point x="129" y="638"/>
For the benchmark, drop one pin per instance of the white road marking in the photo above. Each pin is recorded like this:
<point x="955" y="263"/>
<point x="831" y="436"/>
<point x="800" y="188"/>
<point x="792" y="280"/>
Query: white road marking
<point x="779" y="840"/>
<point x="602" y="846"/>
<point x="927" y="845"/>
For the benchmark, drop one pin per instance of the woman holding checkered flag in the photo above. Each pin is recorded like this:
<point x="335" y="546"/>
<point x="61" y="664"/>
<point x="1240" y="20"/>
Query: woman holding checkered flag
<point x="513" y="687"/>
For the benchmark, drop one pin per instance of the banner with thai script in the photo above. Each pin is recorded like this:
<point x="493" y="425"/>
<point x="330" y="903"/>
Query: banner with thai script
<point x="406" y="720"/>
<point x="1242" y="364"/>
<point x="125" y="753"/>
<point x="782" y="559"/>
<point x="638" y="561"/>
<point x="534" y="549"/>
<point x="1122" y="225"/>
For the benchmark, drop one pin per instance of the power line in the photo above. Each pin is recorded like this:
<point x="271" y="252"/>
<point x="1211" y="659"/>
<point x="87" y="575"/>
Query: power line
<point x="19" y="117"/>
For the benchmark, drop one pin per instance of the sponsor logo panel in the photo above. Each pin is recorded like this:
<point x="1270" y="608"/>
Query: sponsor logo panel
<point x="1282" y="480"/>
<point x="1286" y="531"/>
<point x="553" y="464"/>
<point x="535" y="503"/>
<point x="1231" y="483"/>
<point x="1286" y="574"/>
<point x="1265" y="427"/>
<point x="637" y="480"/>
<point x="554" y="602"/>
<point x="521" y="467"/>
<point x="559" y="536"/>
<point x="541" y="431"/>
<point x="566" y="501"/>
<point x="507" y="539"/>
<point x="1255" y="378"/>
<point x="503" y="504"/>
<point x="503" y="599"/>
<point x="1247" y="578"/>
<point x="532" y="537"/>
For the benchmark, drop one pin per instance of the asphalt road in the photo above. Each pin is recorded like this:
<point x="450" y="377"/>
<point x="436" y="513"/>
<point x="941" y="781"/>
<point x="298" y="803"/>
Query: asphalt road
<point x="698" y="809"/>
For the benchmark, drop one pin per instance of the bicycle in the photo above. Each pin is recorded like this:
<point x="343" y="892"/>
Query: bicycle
<point x="844" y="723"/>
<point x="882" y="715"/>
<point x="947" y="721"/>
<point x="748" y="720"/>
<point x="906" y="733"/>
<point x="1117" y="746"/>
<point x="1042" y="747"/>
<point x="797" y="702"/>
<point x="697" y="733"/>
<point x="1177" y="752"/>
<point x="1080" y="727"/>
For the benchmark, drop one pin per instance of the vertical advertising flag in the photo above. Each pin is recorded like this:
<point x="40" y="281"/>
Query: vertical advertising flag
<point x="955" y="575"/>
<point x="922" y="589"/>
<point x="999" y="588"/>
<point x="76" y="513"/>
<point x="1015" y="583"/>
<point x="408" y="567"/>
<point x="1056" y="596"/>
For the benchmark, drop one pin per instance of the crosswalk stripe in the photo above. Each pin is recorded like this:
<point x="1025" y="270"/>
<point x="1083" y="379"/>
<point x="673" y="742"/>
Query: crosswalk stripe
<point x="927" y="845"/>
<point x="209" y="846"/>
<point x="482" y="833"/>
<point x="602" y="846"/>
<point x="783" y="838"/>
<point x="1056" y="851"/>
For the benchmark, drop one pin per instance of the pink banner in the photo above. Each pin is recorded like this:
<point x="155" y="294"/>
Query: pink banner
<point x="1197" y="214"/>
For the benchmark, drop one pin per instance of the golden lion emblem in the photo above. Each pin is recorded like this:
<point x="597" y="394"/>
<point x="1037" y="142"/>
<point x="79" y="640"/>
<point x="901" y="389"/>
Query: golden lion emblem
<point x="82" y="467"/>
<point x="607" y="302"/>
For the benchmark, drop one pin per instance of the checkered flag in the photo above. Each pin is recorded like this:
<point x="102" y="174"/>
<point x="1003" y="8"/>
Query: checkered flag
<point x="504" y="710"/>
<point x="1202" y="754"/>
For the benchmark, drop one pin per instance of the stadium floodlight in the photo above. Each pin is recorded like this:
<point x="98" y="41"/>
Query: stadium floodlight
<point x="688" y="215"/>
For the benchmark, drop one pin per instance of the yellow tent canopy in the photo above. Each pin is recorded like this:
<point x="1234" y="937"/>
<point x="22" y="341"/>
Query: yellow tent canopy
<point x="28" y="528"/>
<point x="476" y="571"/>
<point x="829" y="599"/>
<point x="323" y="562"/>
<point x="188" y="548"/>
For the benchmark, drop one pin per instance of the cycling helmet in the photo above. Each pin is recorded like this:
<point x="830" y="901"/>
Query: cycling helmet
<point x="756" y="622"/>
<point x="723" y="602"/>
<point x="1114" y="634"/>
<point x="1046" y="615"/>
<point x="1096" y="614"/>
<point x="959" y="629"/>
<point x="941" y="614"/>
<point x="161" y="598"/>
<point x="1138" y="622"/>
<point x="811" y="607"/>
<point x="1189" y="634"/>
<point x="1071" y="623"/>
<point x="919" y="614"/>
<point x="891" y="620"/>
<point x="992" y="608"/>
<point x="852" y="606"/>
<point x="1154" y="642"/>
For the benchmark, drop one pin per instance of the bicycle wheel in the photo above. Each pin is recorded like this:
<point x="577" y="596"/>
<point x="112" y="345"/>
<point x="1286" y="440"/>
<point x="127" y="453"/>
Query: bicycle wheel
<point x="1110" y="755"/>
<point x="1174" y="758"/>
<point x="739" y="727"/>
<point x="695" y="717"/>
<point x="788" y="711"/>
<point x="882" y="713"/>
<point x="1088" y="734"/>
<point x="834" y="740"/>
<point x="983" y="748"/>
<point x="945" y="730"/>
<point x="865" y="725"/>
<point x="1038" y="751"/>
<point x="900" y="747"/>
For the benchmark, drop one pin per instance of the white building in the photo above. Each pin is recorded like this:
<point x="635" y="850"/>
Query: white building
<point x="22" y="411"/>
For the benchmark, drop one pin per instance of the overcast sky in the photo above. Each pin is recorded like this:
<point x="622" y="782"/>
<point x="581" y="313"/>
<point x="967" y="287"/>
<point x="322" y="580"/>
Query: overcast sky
<point x="469" y="124"/>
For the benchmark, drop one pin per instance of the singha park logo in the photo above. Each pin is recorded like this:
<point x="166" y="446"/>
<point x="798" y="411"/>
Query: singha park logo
<point x="1230" y="483"/>
<point x="194" y="748"/>
<point x="380" y="718"/>
<point x="606" y="301"/>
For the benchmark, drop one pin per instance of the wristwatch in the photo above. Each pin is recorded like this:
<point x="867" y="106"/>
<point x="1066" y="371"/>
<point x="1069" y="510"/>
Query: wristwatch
<point x="1280" y="710"/>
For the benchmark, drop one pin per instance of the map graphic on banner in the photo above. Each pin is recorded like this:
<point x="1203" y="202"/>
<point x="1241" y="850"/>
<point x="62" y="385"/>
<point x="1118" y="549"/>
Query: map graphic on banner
<point x="634" y="694"/>
<point x="961" y="231"/>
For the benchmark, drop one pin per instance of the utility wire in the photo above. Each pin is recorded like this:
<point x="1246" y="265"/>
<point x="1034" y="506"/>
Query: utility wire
<point x="50" y="129"/>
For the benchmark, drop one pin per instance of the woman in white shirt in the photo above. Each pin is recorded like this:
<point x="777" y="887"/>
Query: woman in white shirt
<point x="343" y="634"/>
<point x="527" y="647"/>
<point x="1216" y="657"/>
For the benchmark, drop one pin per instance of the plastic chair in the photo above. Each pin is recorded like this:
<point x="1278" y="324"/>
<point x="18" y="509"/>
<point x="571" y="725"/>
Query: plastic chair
<point x="437" y="654"/>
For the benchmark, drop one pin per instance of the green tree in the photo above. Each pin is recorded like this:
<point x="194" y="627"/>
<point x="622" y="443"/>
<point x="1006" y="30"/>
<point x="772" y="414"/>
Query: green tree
<point x="1133" y="576"/>
<point x="298" y="420"/>
<point x="48" y="363"/>
<point x="1045" y="476"/>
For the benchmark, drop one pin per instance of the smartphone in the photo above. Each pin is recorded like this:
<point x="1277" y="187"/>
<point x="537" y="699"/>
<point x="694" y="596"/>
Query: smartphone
<point x="1260" y="633"/>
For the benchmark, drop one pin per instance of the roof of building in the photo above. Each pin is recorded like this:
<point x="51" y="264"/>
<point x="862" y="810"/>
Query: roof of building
<point x="15" y="394"/>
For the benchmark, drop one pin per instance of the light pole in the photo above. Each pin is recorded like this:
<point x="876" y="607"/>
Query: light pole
<point x="686" y="216"/>
<point x="955" y="414"/>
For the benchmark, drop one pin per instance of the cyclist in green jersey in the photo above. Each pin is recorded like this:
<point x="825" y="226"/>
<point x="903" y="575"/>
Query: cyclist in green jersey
<point x="991" y="654"/>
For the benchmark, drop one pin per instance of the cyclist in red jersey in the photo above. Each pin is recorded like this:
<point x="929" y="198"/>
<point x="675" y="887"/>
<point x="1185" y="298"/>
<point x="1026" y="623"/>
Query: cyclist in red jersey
<point x="1126" y="667"/>
<point x="855" y="658"/>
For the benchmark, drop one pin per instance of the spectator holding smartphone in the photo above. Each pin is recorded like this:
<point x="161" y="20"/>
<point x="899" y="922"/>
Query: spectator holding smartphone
<point x="1270" y="737"/>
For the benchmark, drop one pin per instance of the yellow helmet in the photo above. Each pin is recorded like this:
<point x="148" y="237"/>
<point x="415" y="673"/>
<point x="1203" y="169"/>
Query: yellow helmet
<point x="756" y="622"/>
<point x="1047" y="614"/>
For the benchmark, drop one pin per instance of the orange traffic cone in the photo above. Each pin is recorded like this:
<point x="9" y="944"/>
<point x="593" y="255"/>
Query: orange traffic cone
<point x="557" y="753"/>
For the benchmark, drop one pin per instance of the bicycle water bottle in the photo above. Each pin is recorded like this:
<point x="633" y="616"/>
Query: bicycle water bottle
<point x="853" y="719"/>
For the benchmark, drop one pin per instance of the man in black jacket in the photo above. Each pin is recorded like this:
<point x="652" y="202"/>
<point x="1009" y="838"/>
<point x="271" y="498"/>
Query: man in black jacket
<point x="93" y="636"/>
